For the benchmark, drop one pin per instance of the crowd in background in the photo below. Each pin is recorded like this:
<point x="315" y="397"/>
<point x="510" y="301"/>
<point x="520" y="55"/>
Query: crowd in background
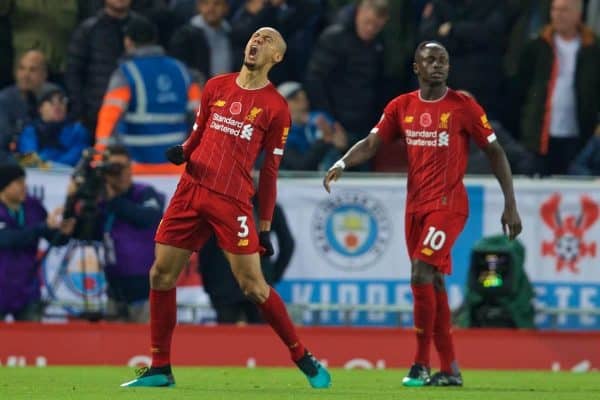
<point x="127" y="75"/>
<point x="531" y="64"/>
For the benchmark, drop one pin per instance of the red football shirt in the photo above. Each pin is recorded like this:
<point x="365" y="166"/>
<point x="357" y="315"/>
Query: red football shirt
<point x="233" y="126"/>
<point x="437" y="140"/>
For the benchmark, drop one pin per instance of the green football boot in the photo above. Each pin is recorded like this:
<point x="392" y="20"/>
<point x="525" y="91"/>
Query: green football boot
<point x="418" y="376"/>
<point x="152" y="377"/>
<point x="315" y="372"/>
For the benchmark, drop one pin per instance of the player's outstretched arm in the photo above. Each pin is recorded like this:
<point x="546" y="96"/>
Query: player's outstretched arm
<point x="511" y="222"/>
<point x="362" y="151"/>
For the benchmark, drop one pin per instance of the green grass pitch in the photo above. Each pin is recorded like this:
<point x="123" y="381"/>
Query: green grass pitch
<point x="82" y="383"/>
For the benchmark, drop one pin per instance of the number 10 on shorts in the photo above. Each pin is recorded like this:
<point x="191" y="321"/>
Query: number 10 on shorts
<point x="435" y="238"/>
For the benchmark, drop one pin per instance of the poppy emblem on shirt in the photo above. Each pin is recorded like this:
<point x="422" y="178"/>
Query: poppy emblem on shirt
<point x="444" y="120"/>
<point x="235" y="108"/>
<point x="253" y="114"/>
<point x="425" y="120"/>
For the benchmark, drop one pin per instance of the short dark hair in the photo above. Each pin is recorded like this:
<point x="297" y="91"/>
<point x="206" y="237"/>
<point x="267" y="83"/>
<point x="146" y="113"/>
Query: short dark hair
<point x="380" y="7"/>
<point x="424" y="43"/>
<point x="117" y="150"/>
<point x="140" y="30"/>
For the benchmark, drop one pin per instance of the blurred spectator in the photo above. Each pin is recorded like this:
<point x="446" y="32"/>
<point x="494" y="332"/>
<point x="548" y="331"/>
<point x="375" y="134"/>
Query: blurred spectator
<point x="399" y="36"/>
<point x="45" y="26"/>
<point x="93" y="54"/>
<point x="23" y="222"/>
<point x="587" y="161"/>
<point x="203" y="43"/>
<point x="18" y="104"/>
<point x="157" y="11"/>
<point x="593" y="16"/>
<point x="296" y="20"/>
<point x="152" y="94"/>
<point x="346" y="68"/>
<point x="6" y="50"/>
<point x="315" y="141"/>
<point x="558" y="84"/>
<point x="526" y="18"/>
<point x="225" y="294"/>
<point x="51" y="136"/>
<point x="473" y="31"/>
<point x="130" y="218"/>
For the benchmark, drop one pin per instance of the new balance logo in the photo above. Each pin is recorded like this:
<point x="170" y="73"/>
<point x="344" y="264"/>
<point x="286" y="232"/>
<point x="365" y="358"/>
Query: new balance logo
<point x="247" y="131"/>
<point x="443" y="139"/>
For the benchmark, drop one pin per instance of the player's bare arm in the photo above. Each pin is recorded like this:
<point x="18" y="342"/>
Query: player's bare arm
<point x="362" y="151"/>
<point x="511" y="222"/>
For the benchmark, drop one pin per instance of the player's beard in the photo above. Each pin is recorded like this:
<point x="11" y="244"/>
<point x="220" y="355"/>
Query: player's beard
<point x="250" y="66"/>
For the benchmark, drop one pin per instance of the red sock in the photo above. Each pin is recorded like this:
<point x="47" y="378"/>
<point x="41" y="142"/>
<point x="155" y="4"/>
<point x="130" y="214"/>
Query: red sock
<point x="424" y="317"/>
<point x="442" y="334"/>
<point x="274" y="312"/>
<point x="163" y="318"/>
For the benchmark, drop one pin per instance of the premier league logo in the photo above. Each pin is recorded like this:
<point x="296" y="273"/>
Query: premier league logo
<point x="351" y="230"/>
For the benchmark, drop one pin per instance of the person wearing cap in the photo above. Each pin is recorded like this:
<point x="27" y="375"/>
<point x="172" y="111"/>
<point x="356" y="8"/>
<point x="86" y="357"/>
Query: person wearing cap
<point x="51" y="136"/>
<point x="315" y="138"/>
<point x="148" y="103"/>
<point x="23" y="222"/>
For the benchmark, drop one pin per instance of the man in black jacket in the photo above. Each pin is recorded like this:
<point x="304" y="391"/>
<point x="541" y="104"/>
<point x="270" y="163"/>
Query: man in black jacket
<point x="93" y="54"/>
<point x="346" y="68"/>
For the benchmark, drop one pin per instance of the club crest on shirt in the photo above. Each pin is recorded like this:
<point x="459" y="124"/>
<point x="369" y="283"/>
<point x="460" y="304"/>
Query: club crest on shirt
<point x="219" y="103"/>
<point x="409" y="119"/>
<point x="425" y="120"/>
<point x="235" y="108"/>
<point x="444" y="120"/>
<point x="253" y="114"/>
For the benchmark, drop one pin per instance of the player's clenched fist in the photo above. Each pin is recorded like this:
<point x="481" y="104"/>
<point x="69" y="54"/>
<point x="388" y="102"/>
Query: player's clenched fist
<point x="175" y="154"/>
<point x="334" y="173"/>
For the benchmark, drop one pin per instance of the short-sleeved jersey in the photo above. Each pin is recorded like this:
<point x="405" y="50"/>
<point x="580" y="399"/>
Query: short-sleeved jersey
<point x="233" y="126"/>
<point x="437" y="141"/>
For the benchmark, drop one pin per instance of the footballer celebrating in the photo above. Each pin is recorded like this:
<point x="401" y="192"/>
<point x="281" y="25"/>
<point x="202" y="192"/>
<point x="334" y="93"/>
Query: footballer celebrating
<point x="241" y="116"/>
<point x="436" y="123"/>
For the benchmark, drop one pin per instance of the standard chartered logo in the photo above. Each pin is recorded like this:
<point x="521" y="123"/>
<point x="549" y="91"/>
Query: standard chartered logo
<point x="427" y="138"/>
<point x="231" y="126"/>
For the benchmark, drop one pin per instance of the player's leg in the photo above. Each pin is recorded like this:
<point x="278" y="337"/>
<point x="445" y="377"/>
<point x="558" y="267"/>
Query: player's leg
<point x="441" y="229"/>
<point x="424" y="305"/>
<point x="449" y="374"/>
<point x="418" y="375"/>
<point x="181" y="231"/>
<point x="247" y="271"/>
<point x="168" y="264"/>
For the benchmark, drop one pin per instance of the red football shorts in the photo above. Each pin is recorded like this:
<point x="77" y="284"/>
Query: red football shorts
<point x="431" y="235"/>
<point x="195" y="212"/>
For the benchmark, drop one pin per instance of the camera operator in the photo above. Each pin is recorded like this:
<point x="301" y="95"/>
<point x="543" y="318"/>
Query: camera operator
<point x="23" y="222"/>
<point x="130" y="216"/>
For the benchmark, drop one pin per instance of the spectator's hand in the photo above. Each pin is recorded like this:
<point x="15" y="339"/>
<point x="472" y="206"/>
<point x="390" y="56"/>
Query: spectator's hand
<point x="428" y="10"/>
<point x="340" y="137"/>
<point x="111" y="193"/>
<point x="67" y="226"/>
<point x="175" y="154"/>
<point x="511" y="222"/>
<point x="72" y="188"/>
<point x="264" y="238"/>
<point x="325" y="128"/>
<point x="444" y="29"/>
<point x="54" y="219"/>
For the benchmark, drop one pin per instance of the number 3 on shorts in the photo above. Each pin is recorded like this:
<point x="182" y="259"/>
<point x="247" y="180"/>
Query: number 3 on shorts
<point x="435" y="238"/>
<point x="243" y="220"/>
